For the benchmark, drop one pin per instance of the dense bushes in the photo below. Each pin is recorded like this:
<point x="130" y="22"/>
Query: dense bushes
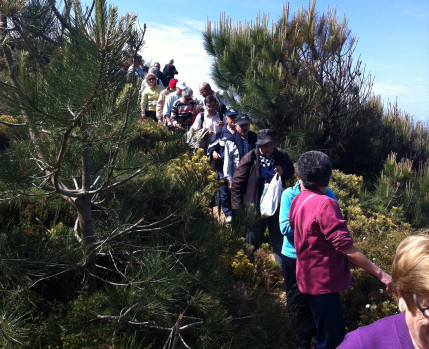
<point x="95" y="200"/>
<point x="158" y="265"/>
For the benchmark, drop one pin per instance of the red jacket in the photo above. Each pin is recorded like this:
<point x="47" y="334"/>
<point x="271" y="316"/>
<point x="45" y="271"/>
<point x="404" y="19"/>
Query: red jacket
<point x="320" y="234"/>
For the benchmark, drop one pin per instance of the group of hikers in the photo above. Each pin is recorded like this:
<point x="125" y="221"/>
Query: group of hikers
<point x="309" y="236"/>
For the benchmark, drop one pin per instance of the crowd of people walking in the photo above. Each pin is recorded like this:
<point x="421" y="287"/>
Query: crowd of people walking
<point x="309" y="236"/>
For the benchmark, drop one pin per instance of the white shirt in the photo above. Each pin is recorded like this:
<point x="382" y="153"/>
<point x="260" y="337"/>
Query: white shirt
<point x="210" y="123"/>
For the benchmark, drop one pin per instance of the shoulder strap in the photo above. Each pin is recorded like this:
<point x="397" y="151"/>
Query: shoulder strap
<point x="202" y="118"/>
<point x="302" y="203"/>
<point x="254" y="154"/>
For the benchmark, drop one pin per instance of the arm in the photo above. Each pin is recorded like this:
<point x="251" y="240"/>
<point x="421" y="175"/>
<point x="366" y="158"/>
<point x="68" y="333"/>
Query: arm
<point x="334" y="227"/>
<point x="213" y="149"/>
<point x="239" y="182"/>
<point x="357" y="258"/>
<point x="159" y="105"/>
<point x="228" y="161"/>
<point x="287" y="167"/>
<point x="144" y="103"/>
<point x="173" y="114"/>
<point x="285" y="203"/>
<point x="167" y="107"/>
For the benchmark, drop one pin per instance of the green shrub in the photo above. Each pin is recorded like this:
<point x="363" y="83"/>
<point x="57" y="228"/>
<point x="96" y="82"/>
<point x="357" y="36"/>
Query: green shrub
<point x="402" y="190"/>
<point x="377" y="235"/>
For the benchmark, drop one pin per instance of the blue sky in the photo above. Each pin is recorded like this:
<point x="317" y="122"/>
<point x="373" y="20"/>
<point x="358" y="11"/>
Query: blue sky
<point x="393" y="39"/>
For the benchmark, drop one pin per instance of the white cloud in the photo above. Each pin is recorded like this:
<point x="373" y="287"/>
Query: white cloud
<point x="388" y="89"/>
<point x="183" y="43"/>
<point x="194" y="23"/>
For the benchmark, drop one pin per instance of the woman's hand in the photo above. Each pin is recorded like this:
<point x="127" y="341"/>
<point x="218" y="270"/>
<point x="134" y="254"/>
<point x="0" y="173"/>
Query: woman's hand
<point x="278" y="170"/>
<point x="386" y="279"/>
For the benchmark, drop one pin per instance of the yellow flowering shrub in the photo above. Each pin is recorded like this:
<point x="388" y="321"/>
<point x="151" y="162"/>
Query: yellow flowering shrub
<point x="193" y="169"/>
<point x="6" y="132"/>
<point x="148" y="133"/>
<point x="256" y="266"/>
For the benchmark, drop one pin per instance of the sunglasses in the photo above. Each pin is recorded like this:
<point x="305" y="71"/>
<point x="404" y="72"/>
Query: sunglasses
<point x="151" y="79"/>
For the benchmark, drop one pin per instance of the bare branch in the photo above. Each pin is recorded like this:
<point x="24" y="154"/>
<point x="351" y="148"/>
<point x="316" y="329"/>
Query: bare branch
<point x="148" y="227"/>
<point x="51" y="276"/>
<point x="118" y="318"/>
<point x="9" y="124"/>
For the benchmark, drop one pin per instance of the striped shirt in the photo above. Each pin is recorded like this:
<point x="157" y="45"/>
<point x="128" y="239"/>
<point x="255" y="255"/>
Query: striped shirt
<point x="182" y="113"/>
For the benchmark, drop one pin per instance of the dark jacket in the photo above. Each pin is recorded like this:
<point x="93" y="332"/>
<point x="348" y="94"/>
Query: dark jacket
<point x="251" y="140"/>
<point x="163" y="78"/>
<point x="246" y="188"/>
<point x="169" y="71"/>
<point x="218" y="145"/>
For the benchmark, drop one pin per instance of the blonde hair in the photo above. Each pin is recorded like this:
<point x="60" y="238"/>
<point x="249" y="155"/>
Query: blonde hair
<point x="410" y="270"/>
<point x="150" y="75"/>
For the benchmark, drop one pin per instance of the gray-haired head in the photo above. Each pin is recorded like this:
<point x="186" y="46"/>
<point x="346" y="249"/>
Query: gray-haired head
<point x="314" y="169"/>
<point x="187" y="92"/>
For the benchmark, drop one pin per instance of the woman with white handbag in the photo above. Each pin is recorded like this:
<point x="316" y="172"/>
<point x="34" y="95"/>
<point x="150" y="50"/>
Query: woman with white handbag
<point x="256" y="169"/>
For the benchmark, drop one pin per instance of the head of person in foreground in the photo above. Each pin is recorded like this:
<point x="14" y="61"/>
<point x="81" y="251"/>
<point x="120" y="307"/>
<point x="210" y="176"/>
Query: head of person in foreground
<point x="410" y="274"/>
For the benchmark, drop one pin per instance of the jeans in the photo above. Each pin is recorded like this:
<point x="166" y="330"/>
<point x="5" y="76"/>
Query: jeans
<point x="328" y="316"/>
<point x="297" y="305"/>
<point x="225" y="199"/>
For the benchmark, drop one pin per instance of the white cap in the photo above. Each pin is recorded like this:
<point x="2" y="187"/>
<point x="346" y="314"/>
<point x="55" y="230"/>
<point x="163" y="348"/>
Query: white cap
<point x="181" y="85"/>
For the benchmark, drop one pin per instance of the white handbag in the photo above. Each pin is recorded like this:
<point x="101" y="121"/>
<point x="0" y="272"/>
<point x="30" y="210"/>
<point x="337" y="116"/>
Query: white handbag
<point x="271" y="197"/>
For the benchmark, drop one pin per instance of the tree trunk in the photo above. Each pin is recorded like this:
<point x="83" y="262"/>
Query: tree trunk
<point x="84" y="209"/>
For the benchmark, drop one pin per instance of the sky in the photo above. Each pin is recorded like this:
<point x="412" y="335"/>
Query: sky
<point x="393" y="39"/>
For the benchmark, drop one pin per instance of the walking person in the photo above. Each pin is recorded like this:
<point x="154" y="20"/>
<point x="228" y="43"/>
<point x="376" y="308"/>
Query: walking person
<point x="150" y="97"/>
<point x="254" y="170"/>
<point x="324" y="250"/>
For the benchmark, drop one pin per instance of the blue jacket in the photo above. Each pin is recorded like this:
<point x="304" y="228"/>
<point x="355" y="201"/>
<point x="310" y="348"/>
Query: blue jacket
<point x="218" y="145"/>
<point x="288" y="195"/>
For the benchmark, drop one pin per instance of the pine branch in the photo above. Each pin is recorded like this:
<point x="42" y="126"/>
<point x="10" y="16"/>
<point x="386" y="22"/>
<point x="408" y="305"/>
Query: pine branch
<point x="36" y="32"/>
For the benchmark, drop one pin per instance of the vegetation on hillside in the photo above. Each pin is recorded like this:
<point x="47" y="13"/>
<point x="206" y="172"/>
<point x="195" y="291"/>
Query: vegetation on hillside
<point x="108" y="238"/>
<point x="300" y="76"/>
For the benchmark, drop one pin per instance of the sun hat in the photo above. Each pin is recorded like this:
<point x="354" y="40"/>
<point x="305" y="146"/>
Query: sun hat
<point x="265" y="136"/>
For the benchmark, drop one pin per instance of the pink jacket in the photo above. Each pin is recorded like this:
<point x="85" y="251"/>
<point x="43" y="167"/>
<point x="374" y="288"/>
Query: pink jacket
<point x="320" y="234"/>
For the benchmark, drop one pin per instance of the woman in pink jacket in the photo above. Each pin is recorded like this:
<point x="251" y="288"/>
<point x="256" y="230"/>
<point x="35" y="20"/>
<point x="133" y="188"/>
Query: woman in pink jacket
<point x="324" y="249"/>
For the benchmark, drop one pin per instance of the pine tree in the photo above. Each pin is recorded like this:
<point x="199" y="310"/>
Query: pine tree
<point x="296" y="76"/>
<point x="60" y="76"/>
